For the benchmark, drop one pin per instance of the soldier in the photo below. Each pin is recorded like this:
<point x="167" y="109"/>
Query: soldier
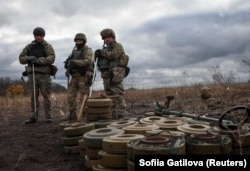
<point x="108" y="63"/>
<point x="39" y="55"/>
<point x="80" y="66"/>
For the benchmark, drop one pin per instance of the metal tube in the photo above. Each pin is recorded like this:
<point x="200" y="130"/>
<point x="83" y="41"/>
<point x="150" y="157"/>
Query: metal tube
<point x="68" y="81"/>
<point x="94" y="75"/>
<point x="34" y="86"/>
<point x="194" y="116"/>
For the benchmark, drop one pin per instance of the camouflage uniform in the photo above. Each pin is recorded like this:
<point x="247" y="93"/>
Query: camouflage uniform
<point x="80" y="66"/>
<point x="45" y="55"/>
<point x="107" y="61"/>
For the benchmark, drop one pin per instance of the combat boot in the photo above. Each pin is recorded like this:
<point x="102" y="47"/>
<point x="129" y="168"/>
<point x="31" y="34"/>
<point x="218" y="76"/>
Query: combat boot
<point x="115" y="116"/>
<point x="49" y="120"/>
<point x="72" y="115"/>
<point x="30" y="121"/>
<point x="48" y="117"/>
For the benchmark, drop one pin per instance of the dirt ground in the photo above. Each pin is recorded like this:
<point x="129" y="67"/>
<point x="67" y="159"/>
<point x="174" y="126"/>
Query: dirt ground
<point x="35" y="147"/>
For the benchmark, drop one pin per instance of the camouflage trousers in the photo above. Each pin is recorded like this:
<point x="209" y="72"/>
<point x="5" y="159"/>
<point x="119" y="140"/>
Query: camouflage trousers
<point x="40" y="83"/>
<point x="116" y="91"/>
<point x="77" y="84"/>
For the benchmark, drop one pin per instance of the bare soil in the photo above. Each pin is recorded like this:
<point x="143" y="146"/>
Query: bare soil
<point x="33" y="147"/>
<point x="38" y="147"/>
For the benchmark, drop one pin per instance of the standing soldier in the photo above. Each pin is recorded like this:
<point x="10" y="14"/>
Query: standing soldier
<point x="80" y="66"/>
<point x="111" y="72"/>
<point x="39" y="55"/>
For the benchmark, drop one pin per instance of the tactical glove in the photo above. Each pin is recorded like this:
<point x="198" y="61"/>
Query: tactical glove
<point x="32" y="59"/>
<point x="66" y="64"/>
<point x="98" y="53"/>
<point x="67" y="73"/>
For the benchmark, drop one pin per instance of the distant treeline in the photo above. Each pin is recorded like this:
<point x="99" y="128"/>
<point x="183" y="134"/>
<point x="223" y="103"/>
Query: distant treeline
<point x="6" y="82"/>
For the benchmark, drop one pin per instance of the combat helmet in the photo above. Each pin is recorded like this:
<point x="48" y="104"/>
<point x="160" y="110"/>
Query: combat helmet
<point x="107" y="32"/>
<point x="39" y="31"/>
<point x="80" y="36"/>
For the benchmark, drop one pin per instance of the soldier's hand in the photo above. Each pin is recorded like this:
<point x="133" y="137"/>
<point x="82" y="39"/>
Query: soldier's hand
<point x="98" y="53"/>
<point x="32" y="59"/>
<point x="67" y="73"/>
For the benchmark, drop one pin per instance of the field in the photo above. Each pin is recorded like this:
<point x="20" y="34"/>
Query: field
<point x="39" y="146"/>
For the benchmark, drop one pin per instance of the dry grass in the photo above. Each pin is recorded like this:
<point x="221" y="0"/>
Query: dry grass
<point x="186" y="99"/>
<point x="139" y="102"/>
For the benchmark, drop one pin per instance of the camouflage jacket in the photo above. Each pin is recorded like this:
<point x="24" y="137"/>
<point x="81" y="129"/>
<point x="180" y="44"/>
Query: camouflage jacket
<point x="43" y="62"/>
<point x="110" y="56"/>
<point x="83" y="61"/>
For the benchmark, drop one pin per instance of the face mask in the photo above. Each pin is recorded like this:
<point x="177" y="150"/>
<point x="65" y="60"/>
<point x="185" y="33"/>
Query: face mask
<point x="79" y="46"/>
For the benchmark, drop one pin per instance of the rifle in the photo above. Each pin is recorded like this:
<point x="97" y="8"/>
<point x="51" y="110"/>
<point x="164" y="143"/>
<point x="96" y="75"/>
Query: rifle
<point x="67" y="74"/>
<point x="66" y="66"/>
<point x="68" y="78"/>
<point x="34" y="88"/>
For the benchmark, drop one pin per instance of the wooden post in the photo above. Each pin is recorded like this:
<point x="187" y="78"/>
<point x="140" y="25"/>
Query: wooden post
<point x="82" y="107"/>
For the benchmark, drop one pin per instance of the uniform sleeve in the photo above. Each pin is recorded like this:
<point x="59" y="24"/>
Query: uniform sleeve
<point x="86" y="59"/>
<point x="23" y="55"/>
<point x="50" y="58"/>
<point x="113" y="53"/>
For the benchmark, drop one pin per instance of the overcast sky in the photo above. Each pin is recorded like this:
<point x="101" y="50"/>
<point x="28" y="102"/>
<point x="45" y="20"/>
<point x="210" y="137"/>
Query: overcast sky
<point x="164" y="38"/>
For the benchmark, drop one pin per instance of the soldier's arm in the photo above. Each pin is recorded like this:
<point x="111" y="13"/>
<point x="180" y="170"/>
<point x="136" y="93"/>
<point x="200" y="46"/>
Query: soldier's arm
<point x="86" y="60"/>
<point x="50" y="58"/>
<point x="115" y="53"/>
<point x="23" y="56"/>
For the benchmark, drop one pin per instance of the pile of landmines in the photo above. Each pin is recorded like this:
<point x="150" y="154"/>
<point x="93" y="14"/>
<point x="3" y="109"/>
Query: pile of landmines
<point x="107" y="144"/>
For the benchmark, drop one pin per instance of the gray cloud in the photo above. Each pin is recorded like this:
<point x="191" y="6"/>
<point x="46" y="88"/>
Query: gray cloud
<point x="191" y="39"/>
<point x="162" y="38"/>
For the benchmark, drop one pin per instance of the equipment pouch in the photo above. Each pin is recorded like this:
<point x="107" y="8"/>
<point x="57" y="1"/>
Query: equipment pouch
<point x="105" y="74"/>
<point x="53" y="70"/>
<point x="118" y="74"/>
<point x="127" y="70"/>
<point x="124" y="60"/>
<point x="103" y="63"/>
<point x="89" y="77"/>
<point x="25" y="73"/>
